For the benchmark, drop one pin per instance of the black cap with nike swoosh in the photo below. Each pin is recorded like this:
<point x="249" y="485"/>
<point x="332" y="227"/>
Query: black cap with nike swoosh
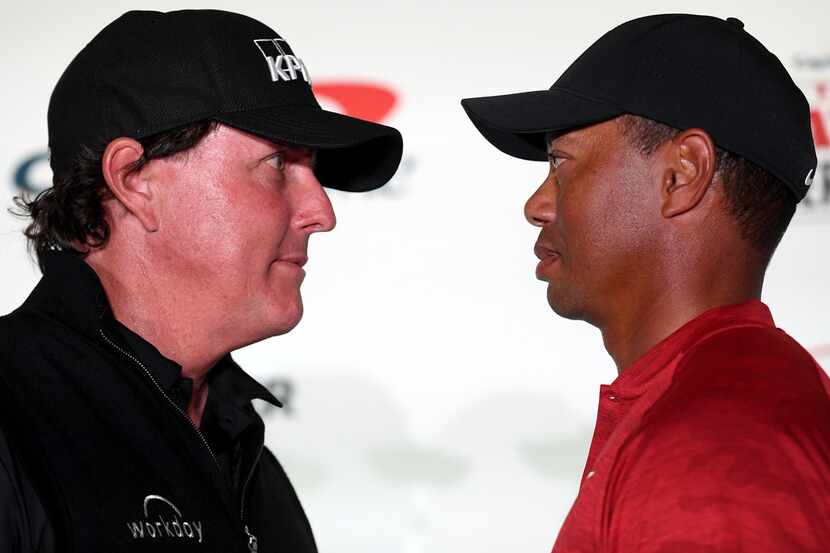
<point x="682" y="70"/>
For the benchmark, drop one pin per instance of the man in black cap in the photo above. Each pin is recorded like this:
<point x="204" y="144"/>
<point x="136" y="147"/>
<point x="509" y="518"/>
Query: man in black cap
<point x="188" y="154"/>
<point x="678" y="149"/>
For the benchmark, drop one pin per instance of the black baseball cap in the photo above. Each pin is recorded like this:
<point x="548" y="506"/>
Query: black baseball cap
<point x="686" y="71"/>
<point x="148" y="72"/>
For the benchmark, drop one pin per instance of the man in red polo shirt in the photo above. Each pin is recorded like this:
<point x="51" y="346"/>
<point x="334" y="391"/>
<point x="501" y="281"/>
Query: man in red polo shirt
<point x="678" y="149"/>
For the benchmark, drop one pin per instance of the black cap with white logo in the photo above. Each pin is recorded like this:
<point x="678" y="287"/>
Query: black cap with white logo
<point x="682" y="70"/>
<point x="149" y="72"/>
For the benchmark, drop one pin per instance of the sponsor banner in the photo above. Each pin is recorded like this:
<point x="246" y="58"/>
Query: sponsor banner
<point x="812" y="74"/>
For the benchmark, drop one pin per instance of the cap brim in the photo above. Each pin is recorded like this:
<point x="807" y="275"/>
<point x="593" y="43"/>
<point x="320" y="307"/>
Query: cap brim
<point x="352" y="154"/>
<point x="517" y="124"/>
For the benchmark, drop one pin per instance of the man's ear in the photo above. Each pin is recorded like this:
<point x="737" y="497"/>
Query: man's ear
<point x="128" y="187"/>
<point x="689" y="171"/>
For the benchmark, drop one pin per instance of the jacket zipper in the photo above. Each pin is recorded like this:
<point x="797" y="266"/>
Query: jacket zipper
<point x="162" y="392"/>
<point x="252" y="541"/>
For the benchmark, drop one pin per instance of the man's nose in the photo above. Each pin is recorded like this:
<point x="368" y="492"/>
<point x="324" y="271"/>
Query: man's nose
<point x="316" y="213"/>
<point x="540" y="208"/>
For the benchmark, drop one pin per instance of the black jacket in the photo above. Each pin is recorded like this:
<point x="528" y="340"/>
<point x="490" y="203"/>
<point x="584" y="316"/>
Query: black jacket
<point x="99" y="454"/>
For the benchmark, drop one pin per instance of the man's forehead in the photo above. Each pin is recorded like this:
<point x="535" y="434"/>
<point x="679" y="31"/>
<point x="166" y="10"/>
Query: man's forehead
<point x="579" y="136"/>
<point x="552" y="138"/>
<point x="569" y="136"/>
<point x="561" y="138"/>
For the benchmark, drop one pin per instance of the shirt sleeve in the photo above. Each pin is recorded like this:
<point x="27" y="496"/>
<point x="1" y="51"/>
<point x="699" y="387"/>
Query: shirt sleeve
<point x="735" y="457"/>
<point x="24" y="527"/>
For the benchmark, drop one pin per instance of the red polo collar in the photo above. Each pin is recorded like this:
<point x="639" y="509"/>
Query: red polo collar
<point x="636" y="378"/>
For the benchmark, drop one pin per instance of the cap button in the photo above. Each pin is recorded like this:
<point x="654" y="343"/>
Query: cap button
<point x="735" y="21"/>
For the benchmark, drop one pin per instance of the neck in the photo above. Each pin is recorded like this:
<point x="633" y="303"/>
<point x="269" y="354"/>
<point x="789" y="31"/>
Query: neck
<point x="162" y="317"/>
<point x="655" y="315"/>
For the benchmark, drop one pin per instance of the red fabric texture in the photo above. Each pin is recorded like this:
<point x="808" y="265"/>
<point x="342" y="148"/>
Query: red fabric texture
<point x="717" y="440"/>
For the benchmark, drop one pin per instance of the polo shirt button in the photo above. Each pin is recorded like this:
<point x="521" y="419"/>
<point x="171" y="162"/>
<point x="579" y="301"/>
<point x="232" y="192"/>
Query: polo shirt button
<point x="590" y="475"/>
<point x="612" y="397"/>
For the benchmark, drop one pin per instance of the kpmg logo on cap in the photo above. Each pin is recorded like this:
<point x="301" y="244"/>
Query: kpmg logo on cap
<point x="283" y="65"/>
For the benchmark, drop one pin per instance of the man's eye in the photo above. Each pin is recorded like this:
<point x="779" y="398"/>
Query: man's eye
<point x="277" y="161"/>
<point x="555" y="161"/>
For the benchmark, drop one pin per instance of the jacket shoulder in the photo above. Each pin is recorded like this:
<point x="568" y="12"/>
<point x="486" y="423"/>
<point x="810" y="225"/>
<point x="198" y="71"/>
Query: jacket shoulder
<point x="25" y="325"/>
<point x="24" y="525"/>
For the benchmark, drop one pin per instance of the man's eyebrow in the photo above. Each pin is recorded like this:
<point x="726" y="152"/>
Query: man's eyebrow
<point x="553" y="141"/>
<point x="281" y="149"/>
<point x="276" y="148"/>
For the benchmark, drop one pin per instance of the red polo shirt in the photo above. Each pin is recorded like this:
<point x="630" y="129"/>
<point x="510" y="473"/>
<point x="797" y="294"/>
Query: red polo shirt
<point x="716" y="440"/>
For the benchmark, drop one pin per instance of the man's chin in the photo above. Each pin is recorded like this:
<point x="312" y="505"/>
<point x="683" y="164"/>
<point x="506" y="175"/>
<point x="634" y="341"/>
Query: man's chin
<point x="562" y="305"/>
<point x="279" y="317"/>
<point x="288" y="319"/>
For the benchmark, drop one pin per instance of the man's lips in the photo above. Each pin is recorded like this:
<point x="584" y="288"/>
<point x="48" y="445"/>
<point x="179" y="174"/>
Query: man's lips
<point x="298" y="259"/>
<point x="543" y="251"/>
<point x="547" y="258"/>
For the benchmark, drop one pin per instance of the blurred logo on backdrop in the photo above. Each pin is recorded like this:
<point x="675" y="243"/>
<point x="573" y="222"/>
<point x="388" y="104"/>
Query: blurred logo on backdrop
<point x="812" y="74"/>
<point x="357" y="98"/>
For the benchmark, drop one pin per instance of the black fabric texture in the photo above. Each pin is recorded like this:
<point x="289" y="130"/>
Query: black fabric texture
<point x="96" y="456"/>
<point x="148" y="72"/>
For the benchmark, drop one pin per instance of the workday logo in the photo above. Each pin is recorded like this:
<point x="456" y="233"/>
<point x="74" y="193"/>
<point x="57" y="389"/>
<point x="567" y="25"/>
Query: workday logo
<point x="282" y="63"/>
<point x="165" y="522"/>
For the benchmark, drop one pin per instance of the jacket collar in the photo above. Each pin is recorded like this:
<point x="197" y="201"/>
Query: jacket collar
<point x="71" y="292"/>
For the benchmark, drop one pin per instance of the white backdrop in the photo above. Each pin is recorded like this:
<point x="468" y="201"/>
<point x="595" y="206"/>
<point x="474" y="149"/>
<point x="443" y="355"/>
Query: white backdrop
<point x="435" y="402"/>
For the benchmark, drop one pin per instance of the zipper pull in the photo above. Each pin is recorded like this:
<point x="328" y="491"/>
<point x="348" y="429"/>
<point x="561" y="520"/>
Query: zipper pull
<point x="252" y="543"/>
